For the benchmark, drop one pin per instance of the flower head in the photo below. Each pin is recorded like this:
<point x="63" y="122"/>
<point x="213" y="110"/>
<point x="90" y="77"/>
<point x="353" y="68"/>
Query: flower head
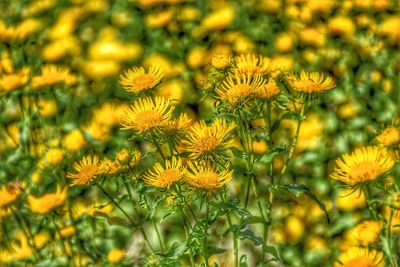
<point x="310" y="82"/>
<point x="165" y="176"/>
<point x="87" y="170"/>
<point x="389" y="137"/>
<point x="236" y="88"/>
<point x="252" y="65"/>
<point x="362" y="165"/>
<point x="48" y="202"/>
<point x="366" y="232"/>
<point x="15" y="80"/>
<point x="146" y="114"/>
<point x="9" y="193"/>
<point x="268" y="91"/>
<point x="204" y="142"/>
<point x="51" y="75"/>
<point x="360" y="257"/>
<point x="136" y="80"/>
<point x="207" y="176"/>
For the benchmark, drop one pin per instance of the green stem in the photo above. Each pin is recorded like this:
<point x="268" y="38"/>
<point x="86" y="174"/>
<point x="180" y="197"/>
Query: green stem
<point x="59" y="235"/>
<point x="141" y="229"/>
<point x="205" y="248"/>
<point x="185" y="227"/>
<point x="157" y="146"/>
<point x="295" y="139"/>
<point x="153" y="222"/>
<point x="234" y="235"/>
<point x="390" y="241"/>
<point x="368" y="196"/>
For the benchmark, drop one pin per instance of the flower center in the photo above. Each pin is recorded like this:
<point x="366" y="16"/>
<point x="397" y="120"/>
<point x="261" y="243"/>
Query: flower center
<point x="88" y="172"/>
<point x="145" y="81"/>
<point x="360" y="262"/>
<point x="168" y="176"/>
<point x="239" y="91"/>
<point x="207" y="180"/>
<point x="207" y="143"/>
<point x="365" y="171"/>
<point x="147" y="119"/>
<point x="308" y="86"/>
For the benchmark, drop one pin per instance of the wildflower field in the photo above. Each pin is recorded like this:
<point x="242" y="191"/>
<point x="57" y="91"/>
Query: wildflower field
<point x="200" y="133"/>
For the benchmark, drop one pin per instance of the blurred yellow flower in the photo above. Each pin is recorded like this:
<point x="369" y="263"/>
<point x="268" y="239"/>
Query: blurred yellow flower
<point x="362" y="165"/>
<point x="48" y="202"/>
<point x="74" y="140"/>
<point x="366" y="232"/>
<point x="51" y="75"/>
<point x="15" y="80"/>
<point x="251" y="65"/>
<point x="389" y="137"/>
<point x="87" y="170"/>
<point x="115" y="255"/>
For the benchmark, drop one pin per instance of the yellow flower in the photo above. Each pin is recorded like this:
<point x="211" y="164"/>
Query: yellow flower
<point x="220" y="61"/>
<point x="51" y="75"/>
<point x="136" y="80"/>
<point x="9" y="193"/>
<point x="54" y="156"/>
<point x="108" y="166"/>
<point x="349" y="199"/>
<point x="182" y="123"/>
<point x="366" y="233"/>
<point x="47" y="202"/>
<point x="80" y="208"/>
<point x="13" y="81"/>
<point x="147" y="114"/>
<point x="207" y="176"/>
<point x="310" y="82"/>
<point x="252" y="65"/>
<point x="66" y="232"/>
<point x="87" y="170"/>
<point x="362" y="165"/>
<point x="389" y="136"/>
<point x="237" y="88"/>
<point x="268" y="91"/>
<point x="115" y="255"/>
<point x="204" y="142"/>
<point x="74" y="140"/>
<point x="165" y="176"/>
<point x="360" y="257"/>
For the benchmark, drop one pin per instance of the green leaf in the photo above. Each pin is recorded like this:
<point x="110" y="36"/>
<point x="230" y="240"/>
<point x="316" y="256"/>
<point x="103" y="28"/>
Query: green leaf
<point x="272" y="250"/>
<point x="292" y="116"/>
<point x="248" y="234"/>
<point x="255" y="220"/>
<point x="271" y="154"/>
<point x="298" y="189"/>
<point x="113" y="220"/>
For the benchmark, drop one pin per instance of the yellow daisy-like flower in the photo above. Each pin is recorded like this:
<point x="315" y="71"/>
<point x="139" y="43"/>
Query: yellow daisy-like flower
<point x="136" y="80"/>
<point x="204" y="142"/>
<point x="9" y="193"/>
<point x="310" y="82"/>
<point x="268" y="91"/>
<point x="165" y="176"/>
<point x="236" y="88"/>
<point x="366" y="232"/>
<point x="207" y="176"/>
<point x="87" y="170"/>
<point x="51" y="75"/>
<point x="13" y="81"/>
<point x="80" y="208"/>
<point x="182" y="123"/>
<point x="360" y="257"/>
<point x="146" y="114"/>
<point x="252" y="65"/>
<point x="362" y="165"/>
<point x="48" y="202"/>
<point x="389" y="137"/>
